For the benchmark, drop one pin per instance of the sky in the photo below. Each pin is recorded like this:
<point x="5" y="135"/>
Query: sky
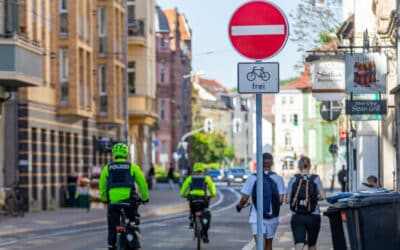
<point x="212" y="51"/>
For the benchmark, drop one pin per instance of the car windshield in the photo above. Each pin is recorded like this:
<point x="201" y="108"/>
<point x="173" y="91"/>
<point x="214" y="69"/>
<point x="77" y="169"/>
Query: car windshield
<point x="213" y="172"/>
<point x="238" y="170"/>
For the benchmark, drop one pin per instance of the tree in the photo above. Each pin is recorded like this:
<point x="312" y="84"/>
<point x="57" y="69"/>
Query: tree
<point x="313" y="21"/>
<point x="210" y="148"/>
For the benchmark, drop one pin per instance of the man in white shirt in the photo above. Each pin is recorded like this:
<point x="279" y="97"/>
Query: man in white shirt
<point x="269" y="225"/>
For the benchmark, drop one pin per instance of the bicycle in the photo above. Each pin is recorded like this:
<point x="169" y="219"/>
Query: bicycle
<point x="251" y="76"/>
<point x="128" y="232"/>
<point x="199" y="219"/>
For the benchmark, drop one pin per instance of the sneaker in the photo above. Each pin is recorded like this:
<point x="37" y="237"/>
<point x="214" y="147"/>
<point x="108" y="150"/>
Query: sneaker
<point x="205" y="239"/>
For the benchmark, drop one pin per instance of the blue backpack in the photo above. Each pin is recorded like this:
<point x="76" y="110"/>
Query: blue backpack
<point x="271" y="200"/>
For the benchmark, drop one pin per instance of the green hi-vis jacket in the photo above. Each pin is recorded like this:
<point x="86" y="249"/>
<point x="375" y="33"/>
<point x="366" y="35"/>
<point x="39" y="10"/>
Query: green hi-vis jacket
<point x="198" y="192"/>
<point x="119" y="194"/>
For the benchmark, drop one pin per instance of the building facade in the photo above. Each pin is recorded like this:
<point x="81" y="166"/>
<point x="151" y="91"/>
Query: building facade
<point x="230" y="114"/>
<point x="173" y="84"/>
<point x="66" y="125"/>
<point x="24" y="46"/>
<point x="142" y="105"/>
<point x="375" y="140"/>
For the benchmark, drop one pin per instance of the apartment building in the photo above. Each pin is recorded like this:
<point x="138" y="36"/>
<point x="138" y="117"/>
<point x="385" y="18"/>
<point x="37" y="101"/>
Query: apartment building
<point x="23" y="63"/>
<point x="65" y="125"/>
<point x="141" y="80"/>
<point x="173" y="40"/>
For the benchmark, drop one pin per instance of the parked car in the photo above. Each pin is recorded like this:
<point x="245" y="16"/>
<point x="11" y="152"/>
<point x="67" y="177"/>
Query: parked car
<point x="215" y="174"/>
<point x="236" y="175"/>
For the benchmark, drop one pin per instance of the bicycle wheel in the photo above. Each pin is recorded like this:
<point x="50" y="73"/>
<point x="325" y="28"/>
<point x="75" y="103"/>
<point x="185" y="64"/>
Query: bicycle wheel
<point x="198" y="232"/>
<point x="120" y="242"/>
<point x="251" y="76"/>
<point x="265" y="76"/>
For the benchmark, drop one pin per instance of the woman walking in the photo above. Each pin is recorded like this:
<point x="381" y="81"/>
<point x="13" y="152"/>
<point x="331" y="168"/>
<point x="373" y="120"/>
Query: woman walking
<point x="304" y="192"/>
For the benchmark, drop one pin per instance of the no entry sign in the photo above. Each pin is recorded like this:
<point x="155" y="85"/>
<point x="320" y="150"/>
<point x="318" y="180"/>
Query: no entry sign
<point x="258" y="30"/>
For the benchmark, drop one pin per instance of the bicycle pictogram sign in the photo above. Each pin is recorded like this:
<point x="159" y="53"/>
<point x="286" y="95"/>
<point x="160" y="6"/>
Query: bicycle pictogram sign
<point x="260" y="73"/>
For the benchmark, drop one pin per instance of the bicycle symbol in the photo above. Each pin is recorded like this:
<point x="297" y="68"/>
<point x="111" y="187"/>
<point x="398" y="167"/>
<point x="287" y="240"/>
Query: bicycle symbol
<point x="251" y="76"/>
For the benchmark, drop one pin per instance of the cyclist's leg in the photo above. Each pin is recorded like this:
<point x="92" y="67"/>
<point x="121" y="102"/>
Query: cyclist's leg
<point x="112" y="220"/>
<point x="191" y="214"/>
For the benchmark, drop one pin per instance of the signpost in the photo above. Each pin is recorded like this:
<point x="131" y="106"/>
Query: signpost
<point x="258" y="30"/>
<point x="330" y="111"/>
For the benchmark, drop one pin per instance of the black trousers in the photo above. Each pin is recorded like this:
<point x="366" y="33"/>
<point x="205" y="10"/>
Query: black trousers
<point x="113" y="219"/>
<point x="206" y="214"/>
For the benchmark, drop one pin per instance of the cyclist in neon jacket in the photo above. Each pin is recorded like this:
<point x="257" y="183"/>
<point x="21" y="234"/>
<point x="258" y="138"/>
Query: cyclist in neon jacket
<point x="117" y="184"/>
<point x="196" y="187"/>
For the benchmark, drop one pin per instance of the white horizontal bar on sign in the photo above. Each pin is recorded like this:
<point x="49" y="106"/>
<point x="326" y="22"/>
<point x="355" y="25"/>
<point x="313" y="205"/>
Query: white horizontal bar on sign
<point x="258" y="30"/>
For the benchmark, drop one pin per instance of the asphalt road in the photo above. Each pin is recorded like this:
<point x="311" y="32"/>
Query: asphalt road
<point x="229" y="230"/>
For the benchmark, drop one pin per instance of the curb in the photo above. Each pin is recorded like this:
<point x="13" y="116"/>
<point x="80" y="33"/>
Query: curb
<point x="157" y="212"/>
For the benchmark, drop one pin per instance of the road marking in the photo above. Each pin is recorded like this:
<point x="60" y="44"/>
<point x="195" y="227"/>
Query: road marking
<point x="220" y="199"/>
<point x="233" y="203"/>
<point x="258" y="30"/>
<point x="148" y="221"/>
<point x="250" y="245"/>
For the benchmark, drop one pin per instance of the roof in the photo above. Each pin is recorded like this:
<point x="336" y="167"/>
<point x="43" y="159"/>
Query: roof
<point x="212" y="86"/>
<point x="161" y="22"/>
<point x="304" y="82"/>
<point x="184" y="28"/>
<point x="172" y="15"/>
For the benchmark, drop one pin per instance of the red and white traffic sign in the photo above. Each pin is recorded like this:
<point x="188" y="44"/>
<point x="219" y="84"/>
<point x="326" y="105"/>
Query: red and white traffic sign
<point x="258" y="30"/>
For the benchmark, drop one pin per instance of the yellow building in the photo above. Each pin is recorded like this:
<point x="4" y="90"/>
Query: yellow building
<point x="141" y="79"/>
<point x="65" y="126"/>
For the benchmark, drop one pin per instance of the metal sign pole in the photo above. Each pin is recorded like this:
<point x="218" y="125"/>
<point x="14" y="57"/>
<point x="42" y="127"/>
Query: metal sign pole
<point x="260" y="173"/>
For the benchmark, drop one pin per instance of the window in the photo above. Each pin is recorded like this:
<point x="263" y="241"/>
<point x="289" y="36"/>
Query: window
<point x="102" y="30"/>
<point x="312" y="147"/>
<point x="163" y="147"/>
<point x="103" y="89"/>
<point x="288" y="140"/>
<point x="87" y="29"/>
<point x="311" y="107"/>
<point x="63" y="17"/>
<point x="64" y="71"/>
<point x="163" y="70"/>
<point x="80" y="25"/>
<point x="283" y="100"/>
<point x="283" y="118"/>
<point x="291" y="99"/>
<point x="131" y="11"/>
<point x="34" y="13"/>
<point x="162" y="110"/>
<point x="132" y="77"/>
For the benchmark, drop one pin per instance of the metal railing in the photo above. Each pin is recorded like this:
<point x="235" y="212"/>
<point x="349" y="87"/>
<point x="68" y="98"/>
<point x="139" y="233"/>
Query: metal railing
<point x="136" y="27"/>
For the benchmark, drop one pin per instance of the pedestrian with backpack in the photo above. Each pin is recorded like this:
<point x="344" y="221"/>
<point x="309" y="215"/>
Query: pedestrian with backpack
<point x="273" y="196"/>
<point x="303" y="193"/>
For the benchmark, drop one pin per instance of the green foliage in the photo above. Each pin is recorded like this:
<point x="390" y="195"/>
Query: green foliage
<point x="161" y="174"/>
<point x="229" y="152"/>
<point x="214" y="165"/>
<point x="210" y="148"/>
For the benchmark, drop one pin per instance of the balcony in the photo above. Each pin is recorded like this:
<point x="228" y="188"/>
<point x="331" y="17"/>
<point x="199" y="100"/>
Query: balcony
<point x="21" y="62"/>
<point x="136" y="32"/>
<point x="142" y="109"/>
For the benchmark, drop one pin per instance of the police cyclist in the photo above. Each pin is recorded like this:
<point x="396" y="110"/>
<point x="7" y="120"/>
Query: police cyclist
<point x="117" y="184"/>
<point x="195" y="187"/>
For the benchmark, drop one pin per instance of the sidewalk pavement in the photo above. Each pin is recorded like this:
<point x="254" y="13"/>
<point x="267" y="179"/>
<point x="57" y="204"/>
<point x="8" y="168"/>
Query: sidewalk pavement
<point x="163" y="201"/>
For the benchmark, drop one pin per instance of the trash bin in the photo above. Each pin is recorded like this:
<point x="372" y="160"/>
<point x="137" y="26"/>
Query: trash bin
<point x="368" y="222"/>
<point x="336" y="226"/>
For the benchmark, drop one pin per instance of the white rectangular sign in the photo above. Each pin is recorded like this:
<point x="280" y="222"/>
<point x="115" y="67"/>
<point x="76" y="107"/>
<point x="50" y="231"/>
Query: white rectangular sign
<point x="261" y="77"/>
<point x="366" y="73"/>
<point x="328" y="79"/>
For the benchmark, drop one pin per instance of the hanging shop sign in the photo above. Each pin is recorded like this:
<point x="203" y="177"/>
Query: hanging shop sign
<point x="328" y="79"/>
<point x="366" y="73"/>
<point x="364" y="107"/>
